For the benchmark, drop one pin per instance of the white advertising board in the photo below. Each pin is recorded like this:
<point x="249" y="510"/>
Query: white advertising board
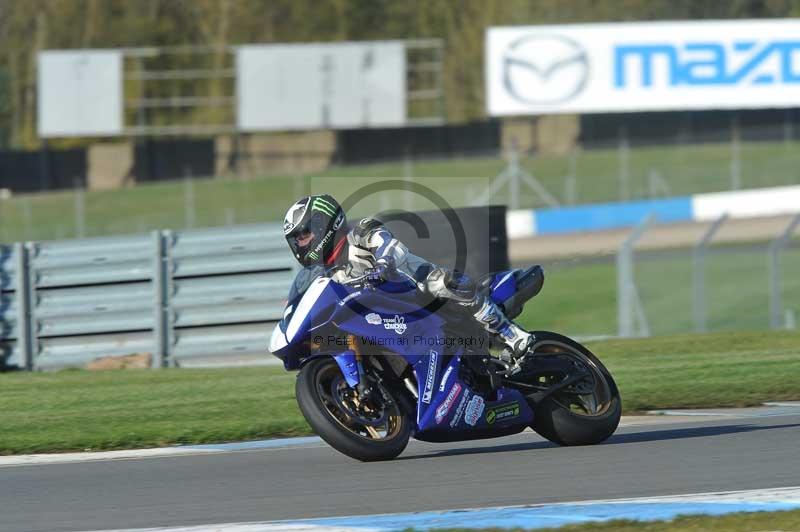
<point x="79" y="93"/>
<point x="309" y="86"/>
<point x="626" y="67"/>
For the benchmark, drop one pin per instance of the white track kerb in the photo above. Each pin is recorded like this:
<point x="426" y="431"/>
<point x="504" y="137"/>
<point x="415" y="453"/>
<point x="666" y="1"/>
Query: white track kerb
<point x="536" y="516"/>
<point x="158" y="452"/>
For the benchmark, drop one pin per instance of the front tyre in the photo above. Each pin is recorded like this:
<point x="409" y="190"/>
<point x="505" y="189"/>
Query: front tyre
<point x="585" y="413"/>
<point x="371" y="430"/>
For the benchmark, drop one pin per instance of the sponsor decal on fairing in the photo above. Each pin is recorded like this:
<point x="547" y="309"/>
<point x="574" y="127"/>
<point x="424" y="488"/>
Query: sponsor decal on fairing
<point x="447" y="404"/>
<point x="431" y="377"/>
<point x="396" y="324"/>
<point x="502" y="412"/>
<point x="348" y="297"/>
<point x="459" y="410"/>
<point x="474" y="410"/>
<point x="443" y="384"/>
<point x="373" y="318"/>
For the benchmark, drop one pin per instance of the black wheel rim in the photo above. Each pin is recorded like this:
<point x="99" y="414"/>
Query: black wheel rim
<point x="591" y="396"/>
<point x="376" y="419"/>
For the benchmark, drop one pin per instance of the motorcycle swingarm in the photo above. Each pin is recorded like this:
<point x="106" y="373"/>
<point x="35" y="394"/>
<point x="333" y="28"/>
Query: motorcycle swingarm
<point x="543" y="394"/>
<point x="542" y="365"/>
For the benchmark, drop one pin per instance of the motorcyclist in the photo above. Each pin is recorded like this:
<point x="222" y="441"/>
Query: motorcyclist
<point x="316" y="230"/>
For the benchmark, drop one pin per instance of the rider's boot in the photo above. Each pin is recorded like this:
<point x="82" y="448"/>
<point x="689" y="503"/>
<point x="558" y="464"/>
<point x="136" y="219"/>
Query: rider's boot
<point x="451" y="285"/>
<point x="517" y="340"/>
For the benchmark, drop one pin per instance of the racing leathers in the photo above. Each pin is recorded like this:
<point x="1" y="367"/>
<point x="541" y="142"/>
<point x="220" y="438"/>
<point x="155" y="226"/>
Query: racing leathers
<point x="369" y="247"/>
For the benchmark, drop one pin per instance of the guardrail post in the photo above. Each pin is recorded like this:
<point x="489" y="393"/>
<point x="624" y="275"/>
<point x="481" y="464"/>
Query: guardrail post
<point x="628" y="303"/>
<point x="774" y="271"/>
<point x="699" y="253"/>
<point x="23" y="293"/>
<point x="162" y="273"/>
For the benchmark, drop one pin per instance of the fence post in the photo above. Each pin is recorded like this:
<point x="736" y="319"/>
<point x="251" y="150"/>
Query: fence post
<point x="27" y="218"/>
<point x="189" y="208"/>
<point x="699" y="299"/>
<point x="80" y="210"/>
<point x="162" y="325"/>
<point x="788" y="128"/>
<point x="408" y="176"/>
<point x="513" y="183"/>
<point x="657" y="184"/>
<point x="736" y="154"/>
<point x="774" y="271"/>
<point x="514" y="175"/>
<point x="571" y="180"/>
<point x="23" y="293"/>
<point x="624" y="164"/>
<point x="628" y="304"/>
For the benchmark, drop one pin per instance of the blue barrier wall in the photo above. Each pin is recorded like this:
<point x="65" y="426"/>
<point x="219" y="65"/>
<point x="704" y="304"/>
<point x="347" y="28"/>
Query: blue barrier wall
<point x="610" y="215"/>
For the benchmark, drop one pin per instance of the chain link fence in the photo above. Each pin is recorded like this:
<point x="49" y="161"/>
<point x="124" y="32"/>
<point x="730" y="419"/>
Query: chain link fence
<point x="713" y="286"/>
<point x="624" y="168"/>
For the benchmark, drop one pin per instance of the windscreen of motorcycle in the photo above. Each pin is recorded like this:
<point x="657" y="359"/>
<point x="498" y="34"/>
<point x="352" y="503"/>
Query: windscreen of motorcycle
<point x="303" y="280"/>
<point x="307" y="288"/>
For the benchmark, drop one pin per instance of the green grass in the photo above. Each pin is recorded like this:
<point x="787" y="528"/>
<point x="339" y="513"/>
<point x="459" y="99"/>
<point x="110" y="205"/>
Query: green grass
<point x="579" y="297"/>
<point x="691" y="371"/>
<point x="738" y="522"/>
<point x="79" y="410"/>
<point x="687" y="168"/>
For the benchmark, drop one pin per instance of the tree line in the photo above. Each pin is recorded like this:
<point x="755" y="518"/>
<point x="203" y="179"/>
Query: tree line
<point x="28" y="26"/>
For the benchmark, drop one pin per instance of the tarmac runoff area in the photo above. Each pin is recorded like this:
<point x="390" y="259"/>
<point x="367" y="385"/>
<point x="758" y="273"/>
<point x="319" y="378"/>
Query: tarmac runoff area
<point x="656" y="466"/>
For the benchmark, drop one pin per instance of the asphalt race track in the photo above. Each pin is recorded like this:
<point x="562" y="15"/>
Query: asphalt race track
<point x="658" y="456"/>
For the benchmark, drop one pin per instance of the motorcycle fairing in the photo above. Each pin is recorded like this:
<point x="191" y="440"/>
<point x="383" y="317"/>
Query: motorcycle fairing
<point x="454" y="411"/>
<point x="458" y="413"/>
<point x="305" y="315"/>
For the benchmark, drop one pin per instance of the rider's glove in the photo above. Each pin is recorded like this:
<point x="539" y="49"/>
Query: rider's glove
<point x="384" y="267"/>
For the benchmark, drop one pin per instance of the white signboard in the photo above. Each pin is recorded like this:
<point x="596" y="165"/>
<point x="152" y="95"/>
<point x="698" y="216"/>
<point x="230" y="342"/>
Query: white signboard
<point x="80" y="93"/>
<point x="310" y="86"/>
<point x="592" y="68"/>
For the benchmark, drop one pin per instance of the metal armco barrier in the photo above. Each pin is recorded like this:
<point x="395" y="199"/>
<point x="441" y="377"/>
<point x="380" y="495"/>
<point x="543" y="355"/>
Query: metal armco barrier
<point x="180" y="296"/>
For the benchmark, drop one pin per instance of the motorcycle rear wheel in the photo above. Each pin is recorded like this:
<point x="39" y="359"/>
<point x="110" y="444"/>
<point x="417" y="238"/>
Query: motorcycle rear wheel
<point x="366" y="432"/>
<point x="570" y="417"/>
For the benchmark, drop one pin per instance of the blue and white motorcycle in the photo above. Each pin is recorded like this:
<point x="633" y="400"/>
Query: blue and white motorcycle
<point x="381" y="362"/>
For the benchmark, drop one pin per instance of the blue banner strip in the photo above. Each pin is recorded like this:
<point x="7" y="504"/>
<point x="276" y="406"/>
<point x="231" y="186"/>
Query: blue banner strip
<point x="611" y="215"/>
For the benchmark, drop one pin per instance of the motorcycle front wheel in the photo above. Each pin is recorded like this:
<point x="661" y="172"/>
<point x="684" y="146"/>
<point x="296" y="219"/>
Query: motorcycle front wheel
<point x="368" y="430"/>
<point x="584" y="413"/>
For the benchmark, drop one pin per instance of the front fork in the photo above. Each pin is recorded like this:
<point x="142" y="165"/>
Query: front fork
<point x="351" y="364"/>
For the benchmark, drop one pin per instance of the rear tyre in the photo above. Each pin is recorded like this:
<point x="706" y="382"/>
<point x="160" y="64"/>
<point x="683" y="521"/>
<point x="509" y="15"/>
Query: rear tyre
<point x="583" y="414"/>
<point x="369" y="431"/>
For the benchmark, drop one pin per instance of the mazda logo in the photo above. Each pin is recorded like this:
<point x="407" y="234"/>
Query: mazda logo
<point x="545" y="69"/>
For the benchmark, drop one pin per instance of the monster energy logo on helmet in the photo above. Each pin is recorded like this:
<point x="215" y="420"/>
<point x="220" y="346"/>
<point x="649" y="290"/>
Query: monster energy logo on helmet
<point x="314" y="221"/>
<point x="324" y="206"/>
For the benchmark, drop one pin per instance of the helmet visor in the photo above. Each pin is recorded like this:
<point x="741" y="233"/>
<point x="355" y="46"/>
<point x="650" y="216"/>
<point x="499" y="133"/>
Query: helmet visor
<point x="306" y="238"/>
<point x="303" y="238"/>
